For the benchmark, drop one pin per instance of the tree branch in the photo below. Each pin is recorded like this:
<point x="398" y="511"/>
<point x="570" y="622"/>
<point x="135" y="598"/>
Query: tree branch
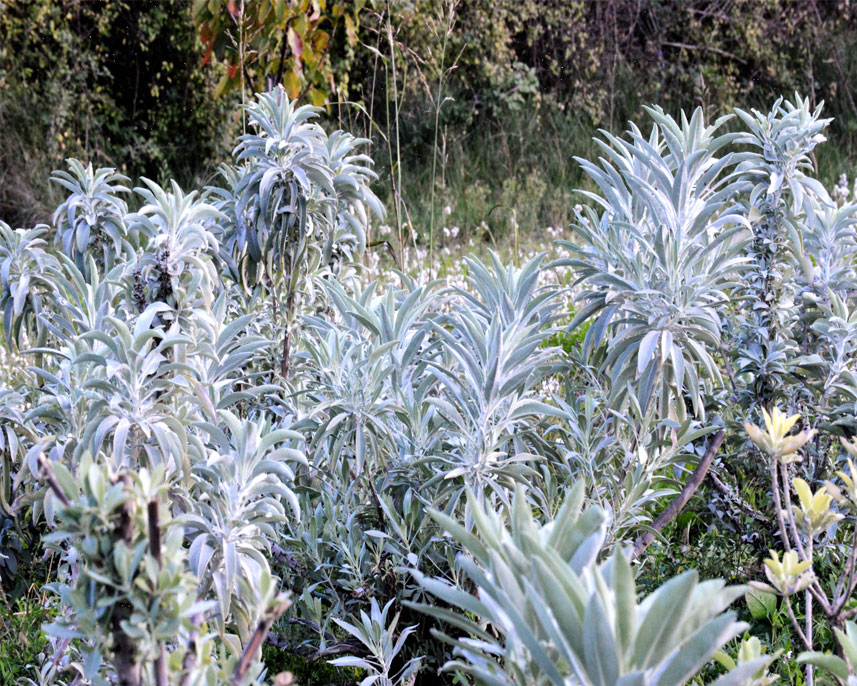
<point x="705" y="48"/>
<point x="736" y="498"/>
<point x="125" y="655"/>
<point x="256" y="640"/>
<point x="678" y="503"/>
<point x="189" y="661"/>
<point x="337" y="649"/>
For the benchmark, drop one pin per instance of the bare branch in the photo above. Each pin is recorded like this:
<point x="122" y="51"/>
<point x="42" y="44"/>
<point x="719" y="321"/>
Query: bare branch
<point x="254" y="645"/>
<point x="736" y="498"/>
<point x="705" y="48"/>
<point x="796" y="624"/>
<point x="337" y="649"/>
<point x="678" y="503"/>
<point x="154" y="531"/>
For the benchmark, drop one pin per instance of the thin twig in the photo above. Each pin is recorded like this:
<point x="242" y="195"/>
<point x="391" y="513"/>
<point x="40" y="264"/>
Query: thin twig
<point x="377" y="502"/>
<point x="787" y="493"/>
<point x="337" y="649"/>
<point x="847" y="573"/>
<point x="778" y="504"/>
<point x="390" y="249"/>
<point x="815" y="587"/>
<point x="810" y="680"/>
<point x="737" y="499"/>
<point x="52" y="480"/>
<point x="796" y="624"/>
<point x="705" y="48"/>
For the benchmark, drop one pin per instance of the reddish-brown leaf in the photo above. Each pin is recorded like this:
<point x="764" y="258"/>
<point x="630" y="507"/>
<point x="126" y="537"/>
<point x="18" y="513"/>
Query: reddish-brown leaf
<point x="295" y="43"/>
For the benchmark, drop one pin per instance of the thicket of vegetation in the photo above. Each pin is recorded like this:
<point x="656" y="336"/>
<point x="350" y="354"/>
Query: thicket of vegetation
<point x="473" y="107"/>
<point x="216" y="433"/>
<point x="237" y="447"/>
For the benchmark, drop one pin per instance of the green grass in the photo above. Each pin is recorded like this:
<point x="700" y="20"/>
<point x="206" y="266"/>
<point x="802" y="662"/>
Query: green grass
<point x="318" y="673"/>
<point x="21" y="635"/>
<point x="492" y="175"/>
<point x="519" y="171"/>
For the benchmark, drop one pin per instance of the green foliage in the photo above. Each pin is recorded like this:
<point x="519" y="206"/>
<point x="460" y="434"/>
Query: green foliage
<point x="22" y="278"/>
<point x="659" y="259"/>
<point x="91" y="219"/>
<point x="21" y="636"/>
<point x="301" y="203"/>
<point x="378" y="635"/>
<point x="524" y="83"/>
<point x="228" y="434"/>
<point x="305" y="673"/>
<point x="117" y="82"/>
<point x="606" y="60"/>
<point x="162" y="501"/>
<point x="152" y="596"/>
<point x="303" y="45"/>
<point x="297" y="184"/>
<point x="561" y="616"/>
<point x="569" y="341"/>
<point x="838" y="666"/>
<point x="133" y="86"/>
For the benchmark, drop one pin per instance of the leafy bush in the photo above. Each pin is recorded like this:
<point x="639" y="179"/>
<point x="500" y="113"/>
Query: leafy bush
<point x="563" y="617"/>
<point x="266" y="42"/>
<point x="230" y="437"/>
<point x="117" y="82"/>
